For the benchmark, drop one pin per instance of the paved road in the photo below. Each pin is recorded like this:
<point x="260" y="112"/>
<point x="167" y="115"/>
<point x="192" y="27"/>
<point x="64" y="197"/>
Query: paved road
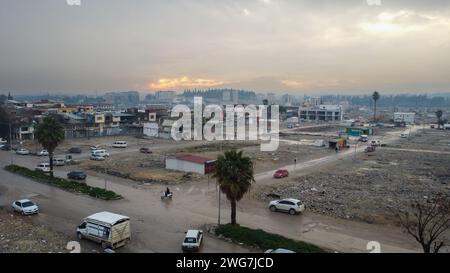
<point x="159" y="226"/>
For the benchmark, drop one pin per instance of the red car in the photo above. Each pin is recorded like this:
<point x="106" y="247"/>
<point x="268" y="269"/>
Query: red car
<point x="281" y="173"/>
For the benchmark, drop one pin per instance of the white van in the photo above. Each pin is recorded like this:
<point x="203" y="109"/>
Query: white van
<point x="45" y="167"/>
<point x="102" y="153"/>
<point x="110" y="229"/>
<point x="120" y="144"/>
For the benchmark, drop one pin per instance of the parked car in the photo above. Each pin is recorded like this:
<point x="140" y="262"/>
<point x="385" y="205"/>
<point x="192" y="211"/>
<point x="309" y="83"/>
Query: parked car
<point x="145" y="150"/>
<point x="75" y="150"/>
<point x="375" y="143"/>
<point x="43" y="153"/>
<point x="120" y="144"/>
<point x="44" y="167"/>
<point x="193" y="240"/>
<point x="77" y="175"/>
<point x="110" y="229"/>
<point x="364" y="138"/>
<point x="3" y="141"/>
<point x="292" y="206"/>
<point x="281" y="173"/>
<point x="25" y="207"/>
<point x="59" y="162"/>
<point x="96" y="147"/>
<point x="5" y="147"/>
<point x="103" y="153"/>
<point x="278" y="250"/>
<point x="22" y="151"/>
<point x="97" y="157"/>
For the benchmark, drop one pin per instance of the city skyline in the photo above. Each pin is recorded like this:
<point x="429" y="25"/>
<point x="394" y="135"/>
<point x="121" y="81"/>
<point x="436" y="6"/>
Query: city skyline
<point x="281" y="46"/>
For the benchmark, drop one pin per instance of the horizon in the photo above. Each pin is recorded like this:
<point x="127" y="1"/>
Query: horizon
<point x="279" y="46"/>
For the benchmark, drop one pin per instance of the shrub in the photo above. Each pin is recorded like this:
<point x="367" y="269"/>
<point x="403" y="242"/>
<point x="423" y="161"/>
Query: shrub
<point x="64" y="183"/>
<point x="264" y="240"/>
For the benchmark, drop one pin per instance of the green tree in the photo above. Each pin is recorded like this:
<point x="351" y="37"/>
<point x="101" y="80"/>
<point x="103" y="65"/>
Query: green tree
<point x="375" y="97"/>
<point x="49" y="134"/>
<point x="234" y="173"/>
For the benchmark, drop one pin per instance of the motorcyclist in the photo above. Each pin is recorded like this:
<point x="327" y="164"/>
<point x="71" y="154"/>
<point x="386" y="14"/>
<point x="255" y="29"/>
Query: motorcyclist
<point x="167" y="193"/>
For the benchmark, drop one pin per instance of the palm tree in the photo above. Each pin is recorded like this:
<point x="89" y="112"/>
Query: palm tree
<point x="439" y="115"/>
<point x="375" y="97"/>
<point x="234" y="173"/>
<point x="49" y="134"/>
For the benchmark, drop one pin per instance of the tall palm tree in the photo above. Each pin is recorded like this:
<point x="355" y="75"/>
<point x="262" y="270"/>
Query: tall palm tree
<point x="234" y="173"/>
<point x="49" y="134"/>
<point x="439" y="114"/>
<point x="375" y="97"/>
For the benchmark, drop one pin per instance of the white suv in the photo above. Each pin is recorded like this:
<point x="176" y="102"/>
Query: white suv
<point x="192" y="240"/>
<point x="292" y="206"/>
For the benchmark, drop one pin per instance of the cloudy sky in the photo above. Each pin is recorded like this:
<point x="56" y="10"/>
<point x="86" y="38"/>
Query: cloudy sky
<point x="294" y="46"/>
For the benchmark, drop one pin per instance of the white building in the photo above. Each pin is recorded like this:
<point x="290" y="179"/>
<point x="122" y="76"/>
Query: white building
<point x="191" y="163"/>
<point x="321" y="113"/>
<point x="408" y="118"/>
<point x="151" y="129"/>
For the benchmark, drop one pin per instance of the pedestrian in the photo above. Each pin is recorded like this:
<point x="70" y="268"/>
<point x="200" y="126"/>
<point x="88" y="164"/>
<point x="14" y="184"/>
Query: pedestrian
<point x="337" y="149"/>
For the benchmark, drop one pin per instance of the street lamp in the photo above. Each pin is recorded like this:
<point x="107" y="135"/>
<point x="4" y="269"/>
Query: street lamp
<point x="218" y="192"/>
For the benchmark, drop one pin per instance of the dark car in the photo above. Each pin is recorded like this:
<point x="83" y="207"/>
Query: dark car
<point x="75" y="150"/>
<point x="145" y="150"/>
<point x="5" y="147"/>
<point x="77" y="175"/>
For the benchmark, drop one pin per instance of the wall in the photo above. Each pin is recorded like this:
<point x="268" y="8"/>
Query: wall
<point x="185" y="166"/>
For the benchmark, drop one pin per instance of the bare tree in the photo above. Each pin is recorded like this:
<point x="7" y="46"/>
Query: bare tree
<point x="428" y="222"/>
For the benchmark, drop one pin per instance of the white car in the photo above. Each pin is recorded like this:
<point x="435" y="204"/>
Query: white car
<point x="22" y="151"/>
<point x="97" y="157"/>
<point x="96" y="147"/>
<point x="25" y="207"/>
<point x="278" y="250"/>
<point x="102" y="153"/>
<point x="292" y="206"/>
<point x="43" y="153"/>
<point x="45" y="167"/>
<point x="192" y="240"/>
<point x="120" y="144"/>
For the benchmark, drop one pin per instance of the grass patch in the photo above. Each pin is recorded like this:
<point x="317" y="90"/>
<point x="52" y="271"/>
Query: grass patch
<point x="264" y="240"/>
<point x="65" y="184"/>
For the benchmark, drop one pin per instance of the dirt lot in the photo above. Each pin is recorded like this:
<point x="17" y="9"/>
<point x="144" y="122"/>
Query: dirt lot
<point x="429" y="139"/>
<point x="149" y="168"/>
<point x="19" y="235"/>
<point x="373" y="186"/>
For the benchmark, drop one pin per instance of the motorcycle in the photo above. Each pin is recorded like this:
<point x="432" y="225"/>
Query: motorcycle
<point x="168" y="196"/>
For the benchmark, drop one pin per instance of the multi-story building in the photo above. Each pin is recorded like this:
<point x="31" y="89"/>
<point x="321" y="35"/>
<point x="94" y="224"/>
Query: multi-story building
<point x="130" y="98"/>
<point x="321" y="113"/>
<point x="407" y="118"/>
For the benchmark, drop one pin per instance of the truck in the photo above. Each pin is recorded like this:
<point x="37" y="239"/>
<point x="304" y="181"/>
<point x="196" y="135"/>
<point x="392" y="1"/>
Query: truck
<point x="109" y="229"/>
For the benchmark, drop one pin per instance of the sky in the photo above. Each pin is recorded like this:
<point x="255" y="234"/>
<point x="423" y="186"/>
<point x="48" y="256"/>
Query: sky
<point x="284" y="46"/>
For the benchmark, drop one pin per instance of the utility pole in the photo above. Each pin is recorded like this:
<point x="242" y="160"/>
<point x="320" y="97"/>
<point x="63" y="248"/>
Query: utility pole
<point x="106" y="173"/>
<point x="218" y="192"/>
<point x="10" y="143"/>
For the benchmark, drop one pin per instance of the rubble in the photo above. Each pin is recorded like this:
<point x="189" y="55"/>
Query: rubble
<point x="18" y="234"/>
<point x="370" y="189"/>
